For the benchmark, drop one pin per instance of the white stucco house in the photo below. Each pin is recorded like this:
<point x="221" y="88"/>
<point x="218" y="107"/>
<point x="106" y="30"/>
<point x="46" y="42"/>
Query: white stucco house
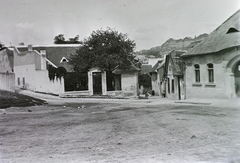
<point x="31" y="72"/>
<point x="213" y="65"/>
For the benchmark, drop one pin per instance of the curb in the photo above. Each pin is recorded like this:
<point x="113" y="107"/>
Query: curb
<point x="199" y="103"/>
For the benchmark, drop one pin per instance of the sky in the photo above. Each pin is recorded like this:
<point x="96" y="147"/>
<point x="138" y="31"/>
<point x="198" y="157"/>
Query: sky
<point x="148" y="22"/>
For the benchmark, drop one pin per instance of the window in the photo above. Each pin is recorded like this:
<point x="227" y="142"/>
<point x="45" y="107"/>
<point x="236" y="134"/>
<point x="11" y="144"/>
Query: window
<point x="18" y="81"/>
<point x="114" y="82"/>
<point x="63" y="60"/>
<point x="172" y="85"/>
<point x="197" y="73"/>
<point x="23" y="81"/>
<point x="232" y="30"/>
<point x="168" y="86"/>
<point x="210" y="73"/>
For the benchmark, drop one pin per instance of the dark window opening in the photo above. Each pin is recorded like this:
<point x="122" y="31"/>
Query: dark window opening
<point x="172" y="85"/>
<point x="210" y="73"/>
<point x="114" y="82"/>
<point x="23" y="81"/>
<point x="168" y="86"/>
<point x="232" y="30"/>
<point x="76" y="81"/>
<point x="197" y="73"/>
<point x="18" y="81"/>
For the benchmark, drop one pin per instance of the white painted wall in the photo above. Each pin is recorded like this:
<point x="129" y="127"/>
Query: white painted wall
<point x="37" y="80"/>
<point x="27" y="72"/>
<point x="223" y="85"/>
<point x="130" y="83"/>
<point x="7" y="81"/>
<point x="43" y="83"/>
<point x="156" y="83"/>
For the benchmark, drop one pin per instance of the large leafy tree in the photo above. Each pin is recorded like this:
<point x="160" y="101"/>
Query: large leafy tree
<point x="104" y="49"/>
<point x="60" y="39"/>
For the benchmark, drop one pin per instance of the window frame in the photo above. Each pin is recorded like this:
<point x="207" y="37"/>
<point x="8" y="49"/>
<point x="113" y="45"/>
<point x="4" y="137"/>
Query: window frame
<point x="18" y="81"/>
<point x="168" y="85"/>
<point x="116" y="80"/>
<point x="24" y="83"/>
<point x="173" y="89"/>
<point x="210" y="72"/>
<point x="197" y="73"/>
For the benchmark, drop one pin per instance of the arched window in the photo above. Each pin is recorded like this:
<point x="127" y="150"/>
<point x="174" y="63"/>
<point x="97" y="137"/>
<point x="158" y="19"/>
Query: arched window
<point x="197" y="73"/>
<point x="210" y="73"/>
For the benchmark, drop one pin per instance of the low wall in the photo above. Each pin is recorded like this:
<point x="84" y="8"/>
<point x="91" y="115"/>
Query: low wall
<point x="45" y="85"/>
<point x="7" y="81"/>
<point x="74" y="94"/>
<point x="130" y="83"/>
<point x="115" y="93"/>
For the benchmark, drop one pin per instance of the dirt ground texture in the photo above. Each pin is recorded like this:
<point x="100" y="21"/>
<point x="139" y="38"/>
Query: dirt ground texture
<point x="119" y="132"/>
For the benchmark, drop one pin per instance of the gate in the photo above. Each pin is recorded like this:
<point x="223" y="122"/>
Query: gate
<point x="97" y="83"/>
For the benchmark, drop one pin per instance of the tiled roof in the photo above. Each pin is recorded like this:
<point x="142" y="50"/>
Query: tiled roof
<point x="192" y="44"/>
<point x="54" y="53"/>
<point x="146" y="68"/>
<point x="158" y="65"/>
<point x="176" y="62"/>
<point x="219" y="39"/>
<point x="131" y="68"/>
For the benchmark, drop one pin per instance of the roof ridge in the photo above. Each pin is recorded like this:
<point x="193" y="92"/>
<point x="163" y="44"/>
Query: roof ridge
<point x="227" y="20"/>
<point x="218" y="40"/>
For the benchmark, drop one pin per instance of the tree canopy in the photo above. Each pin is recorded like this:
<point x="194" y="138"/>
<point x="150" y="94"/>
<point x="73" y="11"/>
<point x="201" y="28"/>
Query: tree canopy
<point x="59" y="39"/>
<point x="104" y="49"/>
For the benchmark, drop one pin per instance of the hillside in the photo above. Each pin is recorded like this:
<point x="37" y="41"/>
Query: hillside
<point x="172" y="44"/>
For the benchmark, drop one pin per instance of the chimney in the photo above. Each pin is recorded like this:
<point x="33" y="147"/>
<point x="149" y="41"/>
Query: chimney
<point x="43" y="60"/>
<point x="30" y="48"/>
<point x="43" y="52"/>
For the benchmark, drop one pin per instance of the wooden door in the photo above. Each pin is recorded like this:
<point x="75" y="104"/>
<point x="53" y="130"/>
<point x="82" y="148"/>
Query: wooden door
<point x="97" y="83"/>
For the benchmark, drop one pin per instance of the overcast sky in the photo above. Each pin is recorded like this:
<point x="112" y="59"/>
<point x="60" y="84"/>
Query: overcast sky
<point x="149" y="22"/>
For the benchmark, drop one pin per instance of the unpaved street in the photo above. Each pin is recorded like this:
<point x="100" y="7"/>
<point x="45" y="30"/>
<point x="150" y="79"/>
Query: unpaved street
<point x="114" y="132"/>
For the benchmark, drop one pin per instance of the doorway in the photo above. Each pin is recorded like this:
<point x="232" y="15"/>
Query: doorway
<point x="237" y="79"/>
<point x="97" y="83"/>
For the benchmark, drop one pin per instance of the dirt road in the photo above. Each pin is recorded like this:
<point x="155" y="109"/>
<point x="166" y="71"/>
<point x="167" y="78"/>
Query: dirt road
<point x="115" y="132"/>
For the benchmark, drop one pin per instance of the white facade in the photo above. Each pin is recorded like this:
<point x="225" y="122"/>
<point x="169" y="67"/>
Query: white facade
<point x="225" y="82"/>
<point x="31" y="73"/>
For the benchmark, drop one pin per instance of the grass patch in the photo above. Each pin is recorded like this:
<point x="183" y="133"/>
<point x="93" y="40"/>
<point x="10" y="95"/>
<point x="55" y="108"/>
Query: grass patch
<point x="13" y="99"/>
